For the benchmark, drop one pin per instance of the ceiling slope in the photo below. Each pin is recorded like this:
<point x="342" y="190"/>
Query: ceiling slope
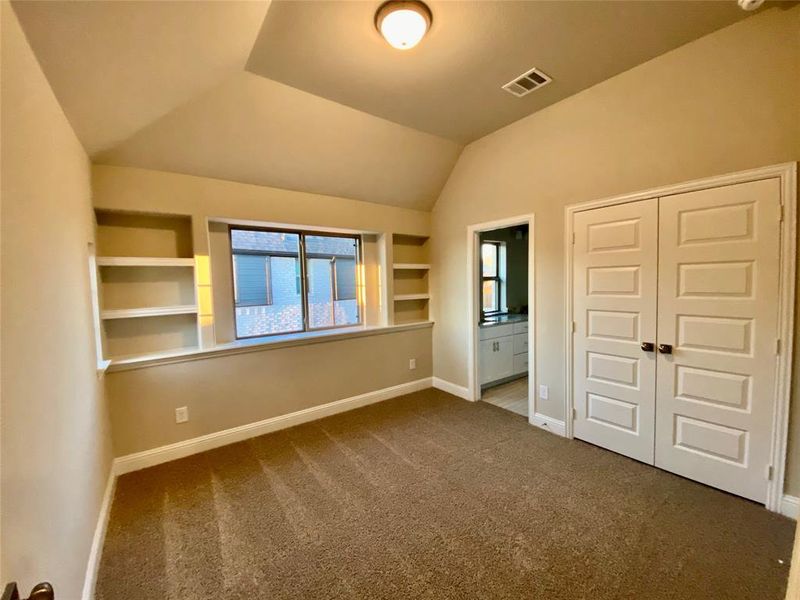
<point x="449" y="85"/>
<point x="325" y="105"/>
<point x="255" y="130"/>
<point x="117" y="66"/>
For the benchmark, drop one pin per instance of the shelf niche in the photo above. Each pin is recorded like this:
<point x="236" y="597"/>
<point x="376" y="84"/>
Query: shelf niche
<point x="146" y="283"/>
<point x="410" y="285"/>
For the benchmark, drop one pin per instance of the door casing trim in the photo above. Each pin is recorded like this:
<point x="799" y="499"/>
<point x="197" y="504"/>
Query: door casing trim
<point x="473" y="304"/>
<point x="787" y="174"/>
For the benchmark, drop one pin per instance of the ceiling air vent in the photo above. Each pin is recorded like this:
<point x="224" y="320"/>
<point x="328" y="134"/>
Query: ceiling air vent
<point x="526" y="83"/>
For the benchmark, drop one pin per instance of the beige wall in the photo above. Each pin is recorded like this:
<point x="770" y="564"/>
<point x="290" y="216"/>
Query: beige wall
<point x="234" y="390"/>
<point x="726" y="102"/>
<point x="127" y="188"/>
<point x="205" y="199"/>
<point x="56" y="450"/>
<point x="267" y="383"/>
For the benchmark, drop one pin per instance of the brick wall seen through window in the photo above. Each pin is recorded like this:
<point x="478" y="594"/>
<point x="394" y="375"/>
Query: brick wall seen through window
<point x="271" y="281"/>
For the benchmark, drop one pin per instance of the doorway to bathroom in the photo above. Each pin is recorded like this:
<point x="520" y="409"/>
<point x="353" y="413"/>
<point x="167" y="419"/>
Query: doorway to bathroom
<point x="501" y="278"/>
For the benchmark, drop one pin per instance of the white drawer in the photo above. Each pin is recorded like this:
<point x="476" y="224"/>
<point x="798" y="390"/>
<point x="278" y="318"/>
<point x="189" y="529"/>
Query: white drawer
<point x="521" y="327"/>
<point x="496" y="331"/>
<point x="520" y="363"/>
<point x="520" y="343"/>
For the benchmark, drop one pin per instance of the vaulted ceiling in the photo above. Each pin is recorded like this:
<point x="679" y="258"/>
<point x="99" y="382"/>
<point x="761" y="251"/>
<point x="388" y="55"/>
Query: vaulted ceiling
<point x="450" y="85"/>
<point x="118" y="66"/>
<point x="306" y="95"/>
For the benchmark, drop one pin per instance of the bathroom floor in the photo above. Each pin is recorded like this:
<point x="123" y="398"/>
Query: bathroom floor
<point x="512" y="396"/>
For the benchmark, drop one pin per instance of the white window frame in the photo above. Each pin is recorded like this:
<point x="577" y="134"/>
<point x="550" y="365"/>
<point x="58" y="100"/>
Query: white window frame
<point x="302" y="233"/>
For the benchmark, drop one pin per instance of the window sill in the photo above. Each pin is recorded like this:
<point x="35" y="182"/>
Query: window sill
<point x="258" y="345"/>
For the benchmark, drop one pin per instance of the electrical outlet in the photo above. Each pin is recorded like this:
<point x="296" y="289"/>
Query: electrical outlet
<point x="543" y="392"/>
<point x="182" y="414"/>
<point x="412" y="364"/>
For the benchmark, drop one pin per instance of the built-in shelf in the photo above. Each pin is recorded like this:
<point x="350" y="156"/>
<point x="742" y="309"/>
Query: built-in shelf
<point x="146" y="288"/>
<point x="156" y="311"/>
<point x="401" y="297"/>
<point x="143" y="261"/>
<point x="409" y="286"/>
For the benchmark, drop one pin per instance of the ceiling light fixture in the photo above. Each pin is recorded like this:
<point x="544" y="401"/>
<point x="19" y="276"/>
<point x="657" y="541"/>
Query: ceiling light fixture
<point x="403" y="23"/>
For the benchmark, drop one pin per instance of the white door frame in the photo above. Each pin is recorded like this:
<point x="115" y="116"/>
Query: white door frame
<point x="473" y="304"/>
<point x="787" y="173"/>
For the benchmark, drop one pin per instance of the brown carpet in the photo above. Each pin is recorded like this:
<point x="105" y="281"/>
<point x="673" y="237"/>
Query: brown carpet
<point x="431" y="496"/>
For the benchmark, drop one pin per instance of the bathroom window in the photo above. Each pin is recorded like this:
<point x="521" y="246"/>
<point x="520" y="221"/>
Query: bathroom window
<point x="492" y="277"/>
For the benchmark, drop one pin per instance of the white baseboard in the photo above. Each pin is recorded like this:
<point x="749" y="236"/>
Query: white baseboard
<point x="549" y="424"/>
<point x="790" y="507"/>
<point x="157" y="456"/>
<point x="451" y="388"/>
<point x="99" y="538"/>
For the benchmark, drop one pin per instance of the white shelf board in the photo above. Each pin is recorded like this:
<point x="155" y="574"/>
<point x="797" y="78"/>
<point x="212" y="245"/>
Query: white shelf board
<point x="154" y="311"/>
<point x="412" y="266"/>
<point x="143" y="261"/>
<point x="401" y="297"/>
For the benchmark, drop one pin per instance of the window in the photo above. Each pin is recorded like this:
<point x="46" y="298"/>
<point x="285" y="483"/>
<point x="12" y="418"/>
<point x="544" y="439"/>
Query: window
<point x="293" y="281"/>
<point x="492" y="277"/>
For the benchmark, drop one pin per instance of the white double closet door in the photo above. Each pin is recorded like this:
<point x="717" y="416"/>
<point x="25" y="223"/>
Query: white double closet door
<point x="696" y="275"/>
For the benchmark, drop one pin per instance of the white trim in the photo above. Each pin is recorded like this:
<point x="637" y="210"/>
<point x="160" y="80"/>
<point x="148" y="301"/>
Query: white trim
<point x="296" y="226"/>
<point x="157" y="456"/>
<point x="97" y="322"/>
<point x="401" y="297"/>
<point x="96" y="552"/>
<point x="411" y="266"/>
<point x="781" y="171"/>
<point x="473" y="232"/>
<point x="102" y="367"/>
<point x="790" y="506"/>
<point x="548" y="424"/>
<point x="787" y="173"/>
<point x="143" y="261"/>
<point x="153" y="311"/>
<point x="451" y="388"/>
<point x="783" y="370"/>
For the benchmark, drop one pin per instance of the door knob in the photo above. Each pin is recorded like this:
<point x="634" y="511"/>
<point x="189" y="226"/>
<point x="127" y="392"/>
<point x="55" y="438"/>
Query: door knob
<point x="41" y="591"/>
<point x="648" y="346"/>
<point x="665" y="348"/>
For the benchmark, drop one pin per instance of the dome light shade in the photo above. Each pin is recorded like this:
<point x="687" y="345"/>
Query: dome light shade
<point x="403" y="23"/>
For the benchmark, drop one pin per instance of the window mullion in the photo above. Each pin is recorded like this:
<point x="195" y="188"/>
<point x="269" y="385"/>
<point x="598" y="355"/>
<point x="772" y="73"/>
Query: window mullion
<point x="333" y="290"/>
<point x="359" y="278"/>
<point x="268" y="277"/>
<point x="303" y="280"/>
<point x="235" y="281"/>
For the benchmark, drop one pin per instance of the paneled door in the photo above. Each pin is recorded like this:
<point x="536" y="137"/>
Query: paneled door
<point x="614" y="307"/>
<point x="718" y="287"/>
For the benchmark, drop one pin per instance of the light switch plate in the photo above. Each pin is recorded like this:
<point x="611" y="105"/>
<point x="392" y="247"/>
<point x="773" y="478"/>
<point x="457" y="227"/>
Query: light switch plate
<point x="543" y="392"/>
<point x="412" y="364"/>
